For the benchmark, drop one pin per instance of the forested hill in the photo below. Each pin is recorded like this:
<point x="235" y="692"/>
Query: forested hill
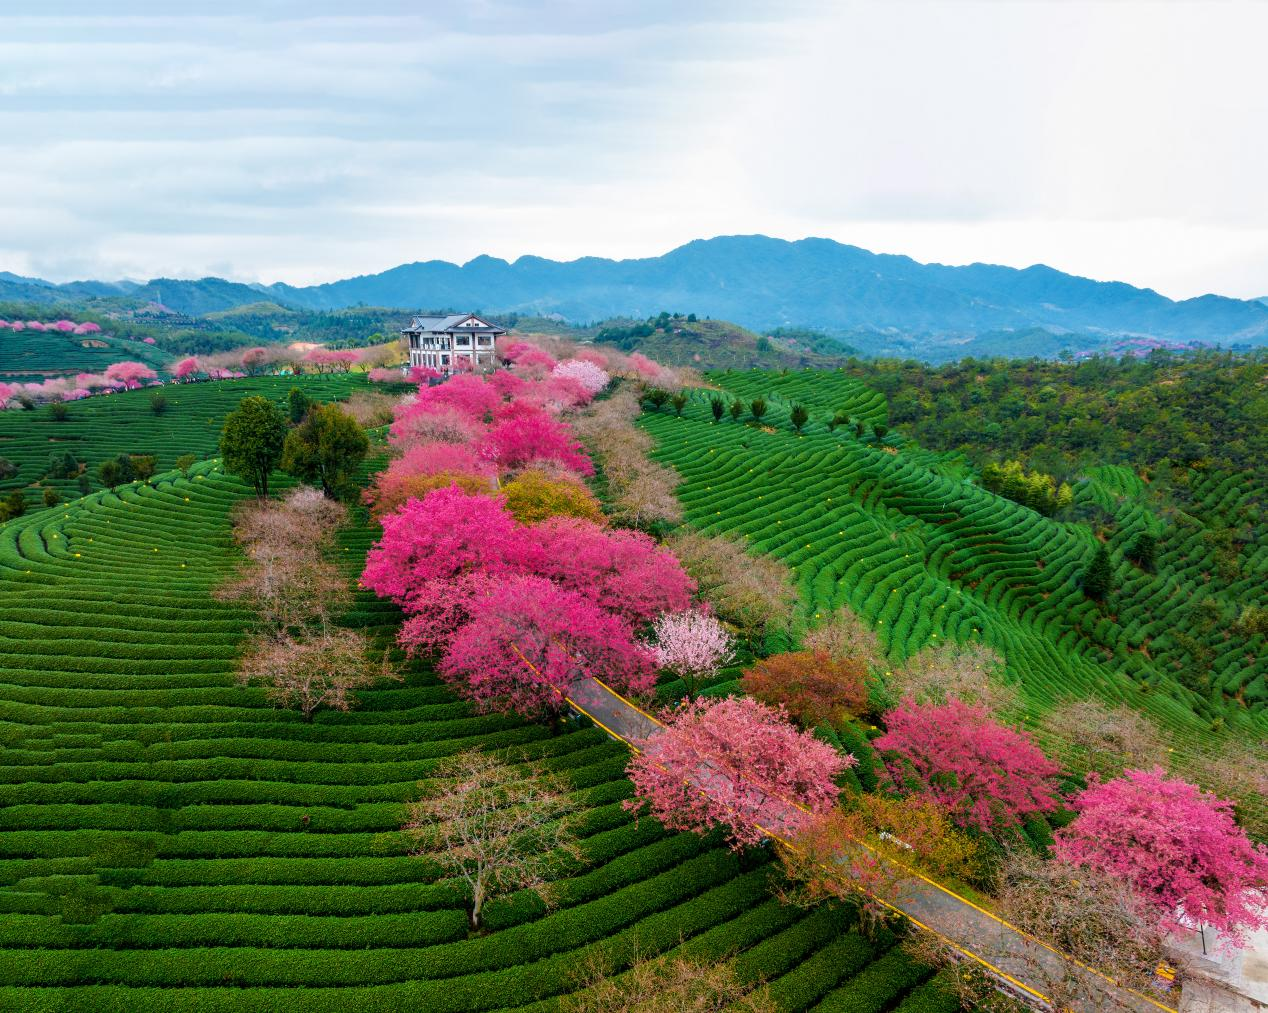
<point x="880" y="303"/>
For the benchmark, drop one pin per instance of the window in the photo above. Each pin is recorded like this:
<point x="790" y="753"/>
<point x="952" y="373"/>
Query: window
<point x="464" y="341"/>
<point x="444" y="360"/>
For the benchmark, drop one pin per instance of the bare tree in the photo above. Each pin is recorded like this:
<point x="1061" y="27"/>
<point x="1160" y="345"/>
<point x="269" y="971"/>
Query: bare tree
<point x="843" y="635"/>
<point x="972" y="673"/>
<point x="668" y="984"/>
<point x="1086" y="735"/>
<point x="314" y="669"/>
<point x="1074" y="919"/>
<point x="497" y="826"/>
<point x="755" y="593"/>
<point x="287" y="592"/>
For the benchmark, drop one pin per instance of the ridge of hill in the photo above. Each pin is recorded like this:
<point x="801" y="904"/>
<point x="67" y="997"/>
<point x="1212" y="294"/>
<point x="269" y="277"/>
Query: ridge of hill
<point x="884" y="302"/>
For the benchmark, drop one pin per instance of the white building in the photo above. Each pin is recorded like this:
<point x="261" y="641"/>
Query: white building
<point x="453" y="344"/>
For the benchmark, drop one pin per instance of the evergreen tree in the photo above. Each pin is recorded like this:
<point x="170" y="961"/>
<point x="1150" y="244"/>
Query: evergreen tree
<point x="1098" y="578"/>
<point x="297" y="404"/>
<point x="799" y="416"/>
<point x="758" y="408"/>
<point x="1144" y="550"/>
<point x="737" y="409"/>
<point x="679" y="401"/>
<point x="717" y="407"/>
<point x="251" y="441"/>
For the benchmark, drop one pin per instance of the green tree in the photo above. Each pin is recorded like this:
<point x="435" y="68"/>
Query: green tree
<point x="117" y="471"/>
<point x="297" y="404"/>
<point x="62" y="464"/>
<point x="13" y="505"/>
<point x="59" y="411"/>
<point x="326" y="448"/>
<point x="656" y="397"/>
<point x="736" y="409"/>
<point x="185" y="462"/>
<point x="7" y="468"/>
<point x="158" y="403"/>
<point x="143" y="466"/>
<point x="799" y="416"/>
<point x="251" y="441"/>
<point x="1098" y="578"/>
<point x="51" y="496"/>
<point x="717" y="407"/>
<point x="1143" y="551"/>
<point x="758" y="408"/>
<point x="679" y="401"/>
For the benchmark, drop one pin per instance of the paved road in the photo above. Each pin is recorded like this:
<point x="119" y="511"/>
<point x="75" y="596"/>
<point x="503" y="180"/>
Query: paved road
<point x="1025" y="965"/>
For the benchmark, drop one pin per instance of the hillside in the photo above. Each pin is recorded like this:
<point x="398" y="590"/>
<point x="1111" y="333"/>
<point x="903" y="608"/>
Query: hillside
<point x="904" y="538"/>
<point x="171" y="840"/>
<point x="883" y="304"/>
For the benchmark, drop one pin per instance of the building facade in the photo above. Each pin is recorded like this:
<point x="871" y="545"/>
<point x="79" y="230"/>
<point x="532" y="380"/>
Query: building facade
<point x="454" y="344"/>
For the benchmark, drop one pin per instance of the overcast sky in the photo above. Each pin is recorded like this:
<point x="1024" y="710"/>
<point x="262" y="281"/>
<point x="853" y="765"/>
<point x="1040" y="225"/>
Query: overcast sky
<point x="296" y="142"/>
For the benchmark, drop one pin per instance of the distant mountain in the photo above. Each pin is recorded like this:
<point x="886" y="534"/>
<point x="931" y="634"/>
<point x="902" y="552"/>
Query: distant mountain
<point x="877" y="302"/>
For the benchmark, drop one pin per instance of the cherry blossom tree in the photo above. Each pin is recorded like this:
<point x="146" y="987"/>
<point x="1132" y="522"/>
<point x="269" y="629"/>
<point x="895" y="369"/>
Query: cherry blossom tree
<point x="185" y="368"/>
<point x="626" y="572"/>
<point x="7" y="390"/>
<point x="985" y="774"/>
<point x="435" y="423"/>
<point x="421" y="374"/>
<point x="18" y="325"/>
<point x="88" y="327"/>
<point x="737" y="764"/>
<point x="254" y="358"/>
<point x="62" y="325"/>
<point x="35" y="325"/>
<point x="529" y="640"/>
<point x="691" y="644"/>
<point x="591" y="376"/>
<point x="471" y="395"/>
<point x="525" y="435"/>
<point x="384" y="374"/>
<point x="130" y="374"/>
<point x="1179" y="846"/>
<point x="440" y="537"/>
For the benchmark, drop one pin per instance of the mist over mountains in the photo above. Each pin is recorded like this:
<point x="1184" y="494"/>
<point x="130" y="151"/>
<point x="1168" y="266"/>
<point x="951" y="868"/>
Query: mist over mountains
<point x="878" y="302"/>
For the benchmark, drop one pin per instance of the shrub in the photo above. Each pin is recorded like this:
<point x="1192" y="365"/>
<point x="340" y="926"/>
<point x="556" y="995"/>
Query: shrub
<point x="815" y="687"/>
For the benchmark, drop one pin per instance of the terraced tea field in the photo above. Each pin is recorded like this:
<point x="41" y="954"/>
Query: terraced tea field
<point x="902" y="537"/>
<point x="101" y="427"/>
<point x="170" y="841"/>
<point x="30" y="356"/>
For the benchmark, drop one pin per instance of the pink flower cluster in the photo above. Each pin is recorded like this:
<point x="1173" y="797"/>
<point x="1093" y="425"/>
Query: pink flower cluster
<point x="65" y="326"/>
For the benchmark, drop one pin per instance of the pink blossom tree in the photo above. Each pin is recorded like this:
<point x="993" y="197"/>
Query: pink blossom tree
<point x="623" y="571"/>
<point x="529" y="640"/>
<point x="6" y="392"/>
<point x="737" y="764"/>
<point x="983" y="773"/>
<point x="185" y="368"/>
<point x="442" y="536"/>
<point x="18" y="325"/>
<point x="1180" y="847"/>
<point x="421" y="374"/>
<point x="585" y="372"/>
<point x="253" y="359"/>
<point x="527" y="434"/>
<point x="432" y="424"/>
<point x="64" y="326"/>
<point x="398" y="482"/>
<point x="130" y="374"/>
<point x="692" y="644"/>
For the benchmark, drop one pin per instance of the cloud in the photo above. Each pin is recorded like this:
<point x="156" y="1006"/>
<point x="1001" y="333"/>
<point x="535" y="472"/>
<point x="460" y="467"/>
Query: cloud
<point x="303" y="144"/>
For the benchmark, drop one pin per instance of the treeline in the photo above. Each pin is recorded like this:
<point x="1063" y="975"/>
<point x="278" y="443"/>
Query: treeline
<point x="1201" y="410"/>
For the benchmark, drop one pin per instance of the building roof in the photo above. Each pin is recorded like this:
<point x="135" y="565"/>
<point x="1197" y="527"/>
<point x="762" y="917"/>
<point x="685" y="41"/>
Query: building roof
<point x="449" y="323"/>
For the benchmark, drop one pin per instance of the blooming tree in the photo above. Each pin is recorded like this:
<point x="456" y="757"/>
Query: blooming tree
<point x="421" y="374"/>
<point x="529" y="640"/>
<point x="623" y="571"/>
<point x="985" y="774"/>
<point x="527" y="434"/>
<point x="186" y="368"/>
<point x="442" y="536"/>
<point x="130" y="374"/>
<point x="1179" y="846"/>
<point x="534" y="495"/>
<point x="737" y="764"/>
<point x="254" y="358"/>
<point x="692" y="645"/>
<point x="87" y="327"/>
<point x="585" y="372"/>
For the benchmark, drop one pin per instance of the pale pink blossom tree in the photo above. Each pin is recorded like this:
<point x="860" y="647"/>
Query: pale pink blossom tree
<point x="529" y="640"/>
<point x="1180" y="847"/>
<point x="983" y="773"/>
<point x="130" y="374"/>
<point x="6" y="392"/>
<point x="185" y="368"/>
<point x="692" y="644"/>
<point x="585" y="372"/>
<point x="64" y="325"/>
<point x="737" y="764"/>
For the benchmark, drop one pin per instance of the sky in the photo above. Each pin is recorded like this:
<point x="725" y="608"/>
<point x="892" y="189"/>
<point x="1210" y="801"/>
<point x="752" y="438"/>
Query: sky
<point x="305" y="142"/>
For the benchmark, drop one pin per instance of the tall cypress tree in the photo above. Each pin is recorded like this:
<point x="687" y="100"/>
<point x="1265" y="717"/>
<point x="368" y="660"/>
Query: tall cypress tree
<point x="1099" y="575"/>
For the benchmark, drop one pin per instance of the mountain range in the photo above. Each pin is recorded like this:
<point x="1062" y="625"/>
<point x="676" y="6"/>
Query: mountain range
<point x="878" y="302"/>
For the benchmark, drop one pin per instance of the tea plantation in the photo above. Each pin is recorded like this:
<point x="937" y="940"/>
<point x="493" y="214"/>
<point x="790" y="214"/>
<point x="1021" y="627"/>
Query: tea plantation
<point x="31" y="356"/>
<point x="171" y="841"/>
<point x="102" y="427"/>
<point x="903" y="537"/>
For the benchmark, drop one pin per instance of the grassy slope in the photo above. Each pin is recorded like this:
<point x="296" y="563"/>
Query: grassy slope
<point x="32" y="355"/>
<point x="154" y="852"/>
<point x="101" y="427"/>
<point x="901" y="537"/>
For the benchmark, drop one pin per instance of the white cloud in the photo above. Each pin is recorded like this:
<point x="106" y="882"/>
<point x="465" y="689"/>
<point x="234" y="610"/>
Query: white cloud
<point x="1114" y="140"/>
